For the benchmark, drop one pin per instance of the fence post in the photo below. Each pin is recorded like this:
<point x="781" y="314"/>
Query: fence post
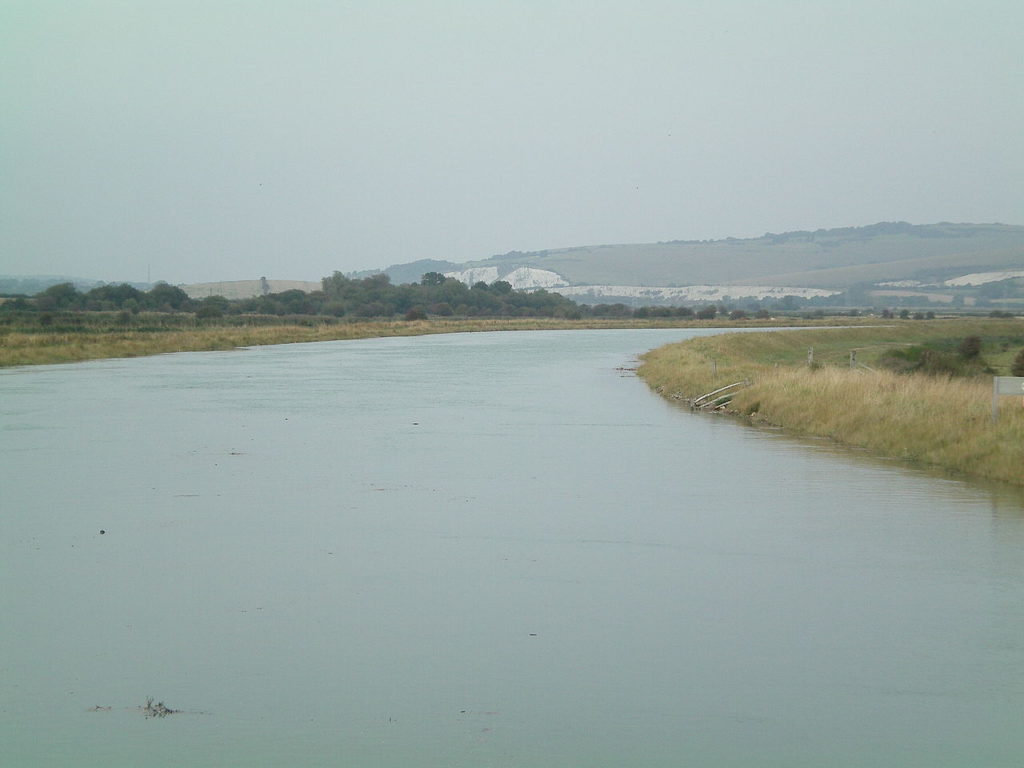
<point x="810" y="355"/>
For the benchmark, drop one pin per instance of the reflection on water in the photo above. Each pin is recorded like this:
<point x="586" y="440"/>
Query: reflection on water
<point x="485" y="549"/>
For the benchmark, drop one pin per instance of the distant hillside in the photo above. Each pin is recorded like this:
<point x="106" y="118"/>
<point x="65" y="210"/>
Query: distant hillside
<point x="30" y="285"/>
<point x="805" y="264"/>
<point x="891" y="263"/>
<point x="247" y="289"/>
<point x="834" y="258"/>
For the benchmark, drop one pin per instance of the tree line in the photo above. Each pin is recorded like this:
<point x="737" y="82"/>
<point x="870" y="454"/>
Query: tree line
<point x="373" y="297"/>
<point x="340" y="297"/>
<point x="376" y="297"/>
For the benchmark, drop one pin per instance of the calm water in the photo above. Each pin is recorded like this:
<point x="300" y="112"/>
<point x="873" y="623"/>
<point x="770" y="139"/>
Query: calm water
<point x="480" y="550"/>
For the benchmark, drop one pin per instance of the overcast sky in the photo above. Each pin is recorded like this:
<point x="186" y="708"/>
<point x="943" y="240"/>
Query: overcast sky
<point x="231" y="139"/>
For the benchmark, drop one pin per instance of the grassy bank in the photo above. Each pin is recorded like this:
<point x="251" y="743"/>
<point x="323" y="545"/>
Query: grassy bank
<point x="89" y="336"/>
<point x="74" y="345"/>
<point x="941" y="421"/>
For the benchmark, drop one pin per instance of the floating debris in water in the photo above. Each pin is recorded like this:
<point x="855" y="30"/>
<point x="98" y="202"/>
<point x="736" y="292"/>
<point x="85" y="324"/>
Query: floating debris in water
<point x="150" y="709"/>
<point x="157" y="710"/>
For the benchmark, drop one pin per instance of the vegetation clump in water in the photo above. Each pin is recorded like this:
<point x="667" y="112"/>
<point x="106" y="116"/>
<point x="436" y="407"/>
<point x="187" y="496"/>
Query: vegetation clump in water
<point x="157" y="710"/>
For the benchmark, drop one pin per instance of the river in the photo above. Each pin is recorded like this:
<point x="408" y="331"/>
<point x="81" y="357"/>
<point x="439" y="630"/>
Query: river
<point x="494" y="549"/>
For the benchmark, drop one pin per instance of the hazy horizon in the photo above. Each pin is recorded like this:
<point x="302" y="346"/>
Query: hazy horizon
<point x="202" y="142"/>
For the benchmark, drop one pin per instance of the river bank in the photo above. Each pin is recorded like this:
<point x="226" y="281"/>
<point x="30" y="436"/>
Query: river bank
<point x="939" y="421"/>
<point x="97" y="337"/>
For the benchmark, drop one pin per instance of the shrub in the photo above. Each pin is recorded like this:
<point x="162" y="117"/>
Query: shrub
<point x="1017" y="369"/>
<point x="206" y="311"/>
<point x="970" y="347"/>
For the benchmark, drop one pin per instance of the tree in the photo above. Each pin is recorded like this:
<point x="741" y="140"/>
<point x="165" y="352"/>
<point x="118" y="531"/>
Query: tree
<point x="212" y="306"/>
<point x="1017" y="369"/>
<point x="334" y="286"/>
<point x="970" y="347"/>
<point x="432" y="278"/>
<point x="60" y="296"/>
<point x="164" y="296"/>
<point x="112" y="296"/>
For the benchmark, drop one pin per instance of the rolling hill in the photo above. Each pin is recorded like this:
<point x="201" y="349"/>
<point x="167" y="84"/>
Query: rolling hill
<point x="920" y="258"/>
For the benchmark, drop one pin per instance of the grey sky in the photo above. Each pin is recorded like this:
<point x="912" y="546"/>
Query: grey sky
<point x="220" y="139"/>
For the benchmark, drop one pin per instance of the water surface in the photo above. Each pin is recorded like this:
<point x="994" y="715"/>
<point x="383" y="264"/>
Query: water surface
<point x="481" y="550"/>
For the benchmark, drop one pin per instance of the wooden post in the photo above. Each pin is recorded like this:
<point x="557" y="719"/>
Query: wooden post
<point x="810" y="355"/>
<point x="853" y="358"/>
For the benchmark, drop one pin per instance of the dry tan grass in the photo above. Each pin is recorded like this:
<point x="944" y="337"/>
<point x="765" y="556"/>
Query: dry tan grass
<point x="37" y="348"/>
<point x="936" y="421"/>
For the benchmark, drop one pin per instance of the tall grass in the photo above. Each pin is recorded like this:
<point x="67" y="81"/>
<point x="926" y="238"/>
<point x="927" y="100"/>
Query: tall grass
<point x="77" y="336"/>
<point x="90" y="340"/>
<point x="938" y="421"/>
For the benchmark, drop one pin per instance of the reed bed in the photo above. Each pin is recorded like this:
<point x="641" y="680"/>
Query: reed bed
<point x="936" y="421"/>
<point x="38" y="347"/>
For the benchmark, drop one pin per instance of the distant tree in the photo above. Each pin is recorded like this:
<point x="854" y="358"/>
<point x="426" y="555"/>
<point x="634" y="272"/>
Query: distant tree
<point x="60" y="296"/>
<point x="334" y="286"/>
<point x="111" y="296"/>
<point x="1017" y="369"/>
<point x="970" y="347"/>
<point x="212" y="306"/>
<point x="164" y="296"/>
<point x="611" y="310"/>
<point x="707" y="313"/>
<point x="432" y="278"/>
<point x="501" y="286"/>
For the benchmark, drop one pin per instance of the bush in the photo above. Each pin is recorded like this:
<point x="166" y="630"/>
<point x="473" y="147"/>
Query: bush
<point x="1017" y="369"/>
<point x="206" y="311"/>
<point x="970" y="348"/>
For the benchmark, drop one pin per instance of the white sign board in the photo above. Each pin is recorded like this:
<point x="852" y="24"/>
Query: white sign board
<point x="1009" y="385"/>
<point x="1005" y="385"/>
